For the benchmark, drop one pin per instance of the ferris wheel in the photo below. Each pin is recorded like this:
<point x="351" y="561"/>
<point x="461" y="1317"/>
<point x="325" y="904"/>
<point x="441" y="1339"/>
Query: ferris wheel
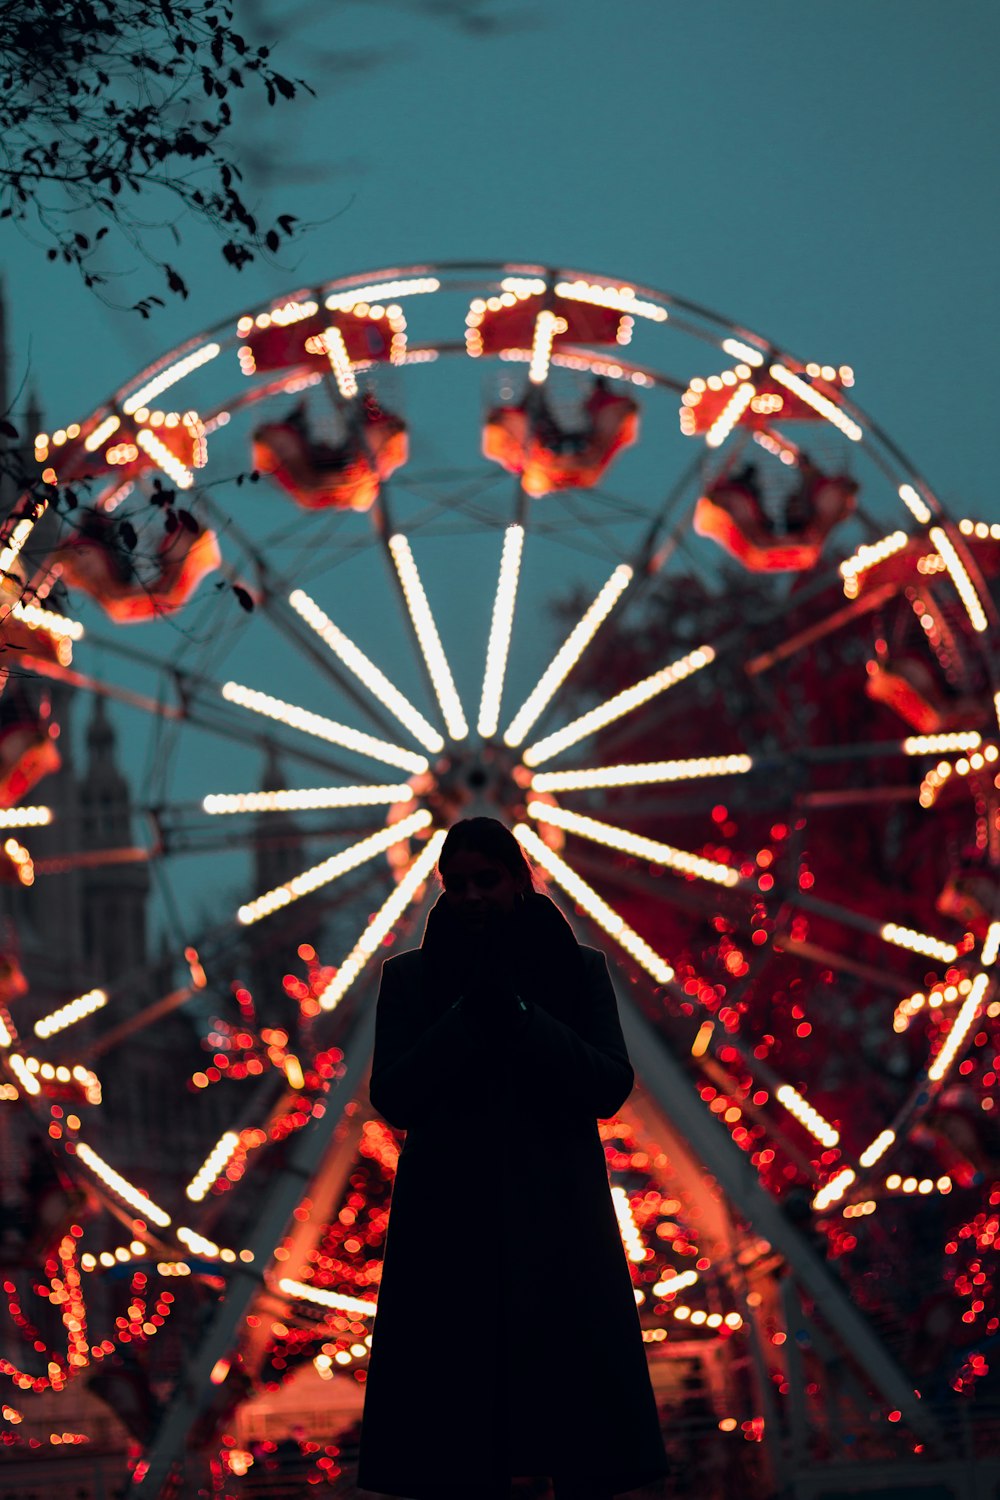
<point x="755" y="751"/>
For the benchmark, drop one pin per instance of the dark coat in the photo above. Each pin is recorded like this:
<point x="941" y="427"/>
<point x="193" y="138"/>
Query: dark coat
<point x="507" y="1340"/>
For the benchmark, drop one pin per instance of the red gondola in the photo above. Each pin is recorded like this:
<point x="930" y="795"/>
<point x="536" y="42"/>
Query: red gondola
<point x="27" y="753"/>
<point x="731" y="513"/>
<point x="90" y="561"/>
<point x="346" y="475"/>
<point x="527" y="440"/>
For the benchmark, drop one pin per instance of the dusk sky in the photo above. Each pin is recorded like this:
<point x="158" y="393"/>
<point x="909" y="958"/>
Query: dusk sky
<point x="824" y="174"/>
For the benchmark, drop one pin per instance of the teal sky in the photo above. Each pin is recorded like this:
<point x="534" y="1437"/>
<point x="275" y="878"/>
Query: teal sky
<point x="824" y="173"/>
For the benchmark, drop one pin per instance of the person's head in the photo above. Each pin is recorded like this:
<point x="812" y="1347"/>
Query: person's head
<point x="484" y="871"/>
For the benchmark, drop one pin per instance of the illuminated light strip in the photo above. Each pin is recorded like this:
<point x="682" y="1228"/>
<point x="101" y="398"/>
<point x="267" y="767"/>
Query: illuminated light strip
<point x="871" y="553"/>
<point x="167" y="378"/>
<point x="382" y="923"/>
<point x="331" y="869"/>
<point x="934" y="744"/>
<point x="215" y="1161"/>
<point x="633" y="843"/>
<point x="500" y="632"/>
<point x="104" y="430"/>
<point x="877" y="1149"/>
<point x="48" y="620"/>
<point x="835" y="1188"/>
<point x="428" y="638"/>
<point x="164" y="459"/>
<point x="622" y="703"/>
<point x="618" y="298"/>
<point x="918" y="942"/>
<point x="308" y="799"/>
<point x="340" y="364"/>
<point x="820" y="404"/>
<point x="730" y="415"/>
<point x="20" y="857"/>
<point x="568" y="655"/>
<point x="131" y="1195"/>
<point x="24" y="1075"/>
<point x="675" y="1283"/>
<point x="70" y="1013"/>
<point x="960" y="1029"/>
<point x="199" y="1245"/>
<point x="19" y="535"/>
<point x="547" y="325"/>
<point x="25" y="817"/>
<point x="585" y="896"/>
<point x="632" y="1240"/>
<point x="914" y="504"/>
<point x="416" y="286"/>
<point x="743" y="351"/>
<point x="897" y="1183"/>
<point x="806" y="1115"/>
<point x="366" y="671"/>
<point x="7" y="1036"/>
<point x="649" y="772"/>
<point x="991" y="946"/>
<point x="305" y="1293"/>
<point x="323" y="729"/>
<point x="780" y="447"/>
<point x="960" y="578"/>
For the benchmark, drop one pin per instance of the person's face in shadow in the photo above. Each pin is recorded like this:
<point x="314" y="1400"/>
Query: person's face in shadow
<point x="481" y="892"/>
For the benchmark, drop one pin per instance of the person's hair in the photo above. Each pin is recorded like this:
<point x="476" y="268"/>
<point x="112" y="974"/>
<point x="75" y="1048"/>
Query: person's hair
<point x="490" y="838"/>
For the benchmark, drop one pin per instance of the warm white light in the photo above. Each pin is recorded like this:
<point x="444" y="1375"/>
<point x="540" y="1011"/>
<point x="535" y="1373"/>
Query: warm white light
<point x="632" y="1240"/>
<point x="820" y="404"/>
<point x="619" y="298"/>
<point x="214" y="1163"/>
<point x="19" y="534"/>
<point x="323" y="729"/>
<point x="340" y="363"/>
<point x="729" y="415"/>
<point x="991" y="946"/>
<point x="633" y="843"/>
<point x="622" y="703"/>
<point x="382" y="923"/>
<point x="547" y="325"/>
<point x="428" y="638"/>
<point x="743" y="351"/>
<point x="877" y="1149"/>
<point x="650" y="772"/>
<point x="960" y="1029"/>
<point x="806" y="1115"/>
<point x="307" y="799"/>
<point x="413" y="287"/>
<point x="918" y="942"/>
<point x="868" y="555"/>
<point x="366" y="671"/>
<point x="37" y="618"/>
<point x="834" y="1189"/>
<point x="164" y="459"/>
<point x="165" y="379"/>
<point x="303" y="1292"/>
<point x="125" y="1190"/>
<point x="935" y="744"/>
<point x="960" y="578"/>
<point x="914" y="504"/>
<point x="103" y="431"/>
<point x="25" y="1075"/>
<point x="25" y="817"/>
<point x="331" y="869"/>
<point x="568" y="655"/>
<point x="675" y="1283"/>
<point x="70" y="1013"/>
<point x="500" y="632"/>
<point x="586" y="897"/>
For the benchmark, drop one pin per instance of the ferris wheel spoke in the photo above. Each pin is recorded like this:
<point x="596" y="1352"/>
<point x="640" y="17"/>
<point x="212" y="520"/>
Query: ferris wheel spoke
<point x="643" y="774"/>
<point x="421" y="618"/>
<point x="383" y="922"/>
<point x="892" y="933"/>
<point x="619" y="705"/>
<point x="612" y="837"/>
<point x="321" y="728"/>
<point x="595" y="906"/>
<point x="566" y="658"/>
<point x="841" y="962"/>
<point x="501" y="626"/>
<point x="331" y="869"/>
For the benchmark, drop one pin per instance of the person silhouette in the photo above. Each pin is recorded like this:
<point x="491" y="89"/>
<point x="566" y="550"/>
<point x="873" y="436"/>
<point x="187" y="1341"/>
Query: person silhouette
<point x="507" y="1341"/>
